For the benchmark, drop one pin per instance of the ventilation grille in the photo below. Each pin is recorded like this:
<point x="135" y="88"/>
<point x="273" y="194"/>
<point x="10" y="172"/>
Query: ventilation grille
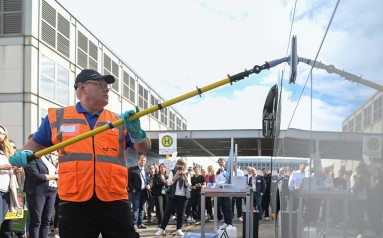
<point x="82" y="42"/>
<point x="93" y="64"/>
<point x="93" y="50"/>
<point x="48" y="34"/>
<point x="115" y="84"/>
<point x="129" y="86"/>
<point x="11" y="17"/>
<point x="55" y="29"/>
<point x="63" y="26"/>
<point x="12" y="5"/>
<point x="12" y="23"/>
<point x="107" y="63"/>
<point x="132" y="94"/>
<point x="87" y="52"/>
<point x="49" y="14"/>
<point x="82" y="59"/>
<point x="63" y="45"/>
<point x="115" y="70"/>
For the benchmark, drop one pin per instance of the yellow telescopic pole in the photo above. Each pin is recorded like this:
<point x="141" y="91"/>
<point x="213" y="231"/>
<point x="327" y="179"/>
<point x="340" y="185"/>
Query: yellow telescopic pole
<point x="135" y="116"/>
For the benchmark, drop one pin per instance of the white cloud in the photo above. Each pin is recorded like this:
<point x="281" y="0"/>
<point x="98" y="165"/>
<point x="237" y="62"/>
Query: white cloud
<point x="178" y="45"/>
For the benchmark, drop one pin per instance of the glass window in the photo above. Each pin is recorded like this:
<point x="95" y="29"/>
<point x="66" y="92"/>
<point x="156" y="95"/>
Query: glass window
<point x="54" y="81"/>
<point x="47" y="67"/>
<point x="62" y="76"/>
<point x="44" y="113"/>
<point x="47" y="87"/>
<point x="62" y="95"/>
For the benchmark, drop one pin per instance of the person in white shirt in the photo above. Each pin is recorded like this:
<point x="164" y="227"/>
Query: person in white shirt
<point x="297" y="176"/>
<point x="5" y="172"/>
<point x="295" y="182"/>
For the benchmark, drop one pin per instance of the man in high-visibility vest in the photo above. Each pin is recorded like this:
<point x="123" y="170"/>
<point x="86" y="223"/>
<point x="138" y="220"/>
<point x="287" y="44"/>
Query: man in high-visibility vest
<point x="93" y="176"/>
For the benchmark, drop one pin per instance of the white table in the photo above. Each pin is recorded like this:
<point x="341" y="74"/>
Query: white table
<point x="227" y="191"/>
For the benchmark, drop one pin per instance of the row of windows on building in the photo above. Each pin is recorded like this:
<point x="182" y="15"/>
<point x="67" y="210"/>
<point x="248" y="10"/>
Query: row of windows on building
<point x="270" y="165"/>
<point x="54" y="85"/>
<point x="56" y="34"/>
<point x="365" y="117"/>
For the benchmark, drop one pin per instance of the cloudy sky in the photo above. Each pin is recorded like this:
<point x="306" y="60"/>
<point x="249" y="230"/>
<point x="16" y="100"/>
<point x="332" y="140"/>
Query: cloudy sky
<point x="177" y="45"/>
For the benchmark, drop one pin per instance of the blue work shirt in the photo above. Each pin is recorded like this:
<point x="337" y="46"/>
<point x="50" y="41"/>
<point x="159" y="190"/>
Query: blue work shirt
<point x="44" y="134"/>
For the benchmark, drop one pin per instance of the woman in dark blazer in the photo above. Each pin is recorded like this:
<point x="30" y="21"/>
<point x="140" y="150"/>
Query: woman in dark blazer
<point x="41" y="188"/>
<point x="159" y="190"/>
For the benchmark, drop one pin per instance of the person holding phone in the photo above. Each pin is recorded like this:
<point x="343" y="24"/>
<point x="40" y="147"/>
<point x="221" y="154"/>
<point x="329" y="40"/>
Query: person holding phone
<point x="180" y="184"/>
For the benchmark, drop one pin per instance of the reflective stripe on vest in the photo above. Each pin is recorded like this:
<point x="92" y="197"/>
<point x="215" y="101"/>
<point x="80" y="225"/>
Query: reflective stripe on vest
<point x="95" y="164"/>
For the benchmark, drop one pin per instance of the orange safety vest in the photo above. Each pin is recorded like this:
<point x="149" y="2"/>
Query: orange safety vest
<point x="96" y="164"/>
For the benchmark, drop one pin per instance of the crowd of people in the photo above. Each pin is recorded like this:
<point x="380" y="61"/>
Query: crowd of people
<point x="362" y="188"/>
<point x="153" y="189"/>
<point x="85" y="189"/>
<point x="177" y="194"/>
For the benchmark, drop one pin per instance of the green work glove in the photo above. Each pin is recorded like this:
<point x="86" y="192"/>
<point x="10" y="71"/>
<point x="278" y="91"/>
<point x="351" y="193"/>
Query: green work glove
<point x="133" y="126"/>
<point x="20" y="159"/>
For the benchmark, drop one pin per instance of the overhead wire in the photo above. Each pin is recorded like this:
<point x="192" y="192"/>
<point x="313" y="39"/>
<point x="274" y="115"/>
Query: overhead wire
<point x="316" y="57"/>
<point x="287" y="53"/>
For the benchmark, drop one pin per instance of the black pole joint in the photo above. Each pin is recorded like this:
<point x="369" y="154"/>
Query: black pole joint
<point x="257" y="69"/>
<point x="199" y="91"/>
<point x="239" y="76"/>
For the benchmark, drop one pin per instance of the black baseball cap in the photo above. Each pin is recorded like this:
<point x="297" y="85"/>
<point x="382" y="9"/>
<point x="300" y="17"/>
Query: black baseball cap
<point x="91" y="74"/>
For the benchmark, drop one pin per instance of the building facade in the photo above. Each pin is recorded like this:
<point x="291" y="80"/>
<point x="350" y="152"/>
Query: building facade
<point x="368" y="118"/>
<point x="42" y="49"/>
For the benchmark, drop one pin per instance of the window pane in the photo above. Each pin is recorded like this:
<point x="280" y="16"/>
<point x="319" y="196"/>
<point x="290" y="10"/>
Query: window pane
<point x="63" y="76"/>
<point x="47" y="67"/>
<point x="47" y="88"/>
<point x="62" y="95"/>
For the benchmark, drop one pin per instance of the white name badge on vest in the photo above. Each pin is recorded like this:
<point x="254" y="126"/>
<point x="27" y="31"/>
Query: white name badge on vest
<point x="70" y="129"/>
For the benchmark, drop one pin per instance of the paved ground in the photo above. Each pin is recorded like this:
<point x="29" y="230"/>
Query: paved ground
<point x="266" y="229"/>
